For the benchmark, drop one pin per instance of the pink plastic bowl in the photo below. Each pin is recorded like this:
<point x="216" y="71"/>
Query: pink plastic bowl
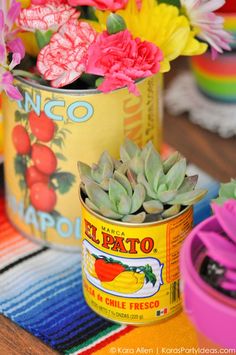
<point x="212" y="313"/>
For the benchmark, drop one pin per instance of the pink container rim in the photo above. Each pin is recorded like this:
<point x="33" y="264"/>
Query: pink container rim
<point x="212" y="313"/>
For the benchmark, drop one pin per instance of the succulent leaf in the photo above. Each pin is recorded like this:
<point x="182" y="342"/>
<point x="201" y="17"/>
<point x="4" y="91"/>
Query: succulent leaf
<point x="128" y="150"/>
<point x="106" y="159"/>
<point x="188" y="184"/>
<point x="116" y="190"/>
<point x="150" y="192"/>
<point x="136" y="165"/>
<point x="170" y="161"/>
<point x="158" y="179"/>
<point x="228" y="189"/>
<point x="134" y="218"/>
<point x="106" y="212"/>
<point x="122" y="179"/>
<point x="97" y="196"/>
<point x="138" y="197"/>
<point x="84" y="170"/>
<point x="171" y="211"/>
<point x="153" y="206"/>
<point x="176" y="174"/>
<point x="146" y="149"/>
<point x="188" y="198"/>
<point x="153" y="166"/>
<point x="91" y="205"/>
<point x="124" y="205"/>
<point x="132" y="178"/>
<point x="166" y="196"/>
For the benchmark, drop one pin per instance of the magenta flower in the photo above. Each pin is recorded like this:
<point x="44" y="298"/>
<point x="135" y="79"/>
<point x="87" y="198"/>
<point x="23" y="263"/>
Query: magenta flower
<point x="46" y="15"/>
<point x="9" y="44"/>
<point x="112" y="5"/>
<point x="122" y="60"/>
<point x="63" y="60"/>
<point x="208" y="26"/>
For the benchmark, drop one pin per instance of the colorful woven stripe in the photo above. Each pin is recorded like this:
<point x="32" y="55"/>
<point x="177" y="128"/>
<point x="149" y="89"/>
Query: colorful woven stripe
<point x="41" y="291"/>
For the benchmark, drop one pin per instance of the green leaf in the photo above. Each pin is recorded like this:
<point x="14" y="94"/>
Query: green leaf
<point x="150" y="192"/>
<point x="188" y="198"/>
<point x="106" y="212"/>
<point x="115" y="23"/>
<point x="128" y="150"/>
<point x="153" y="166"/>
<point x="116" y="190"/>
<point x="124" y="205"/>
<point x="91" y="205"/>
<point x="55" y="214"/>
<point x="153" y="206"/>
<point x="227" y="189"/>
<point x="188" y="184"/>
<point x="171" y="211"/>
<point x="149" y="275"/>
<point x="60" y="156"/>
<point x="17" y="116"/>
<point x="175" y="176"/>
<point x="138" y="197"/>
<point x="84" y="170"/>
<point x="98" y="197"/>
<point x="134" y="218"/>
<point x="43" y="38"/>
<point x="170" y="161"/>
<point x="20" y="165"/>
<point x="171" y="2"/>
<point x="64" y="181"/>
<point x="58" y="141"/>
<point x="166" y="196"/>
<point x="122" y="179"/>
<point x="22" y="184"/>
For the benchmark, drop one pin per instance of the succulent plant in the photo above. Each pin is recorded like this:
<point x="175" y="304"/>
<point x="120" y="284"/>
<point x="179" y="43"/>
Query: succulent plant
<point x="227" y="191"/>
<point x="141" y="187"/>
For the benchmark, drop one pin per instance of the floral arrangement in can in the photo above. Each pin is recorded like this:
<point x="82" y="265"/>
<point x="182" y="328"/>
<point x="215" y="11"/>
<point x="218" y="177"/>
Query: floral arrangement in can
<point x="103" y="44"/>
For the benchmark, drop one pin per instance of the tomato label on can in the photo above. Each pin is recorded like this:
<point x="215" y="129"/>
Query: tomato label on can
<point x="48" y="132"/>
<point x="131" y="272"/>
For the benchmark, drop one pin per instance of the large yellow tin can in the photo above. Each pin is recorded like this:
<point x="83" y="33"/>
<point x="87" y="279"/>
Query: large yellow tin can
<point x="131" y="271"/>
<point x="49" y="131"/>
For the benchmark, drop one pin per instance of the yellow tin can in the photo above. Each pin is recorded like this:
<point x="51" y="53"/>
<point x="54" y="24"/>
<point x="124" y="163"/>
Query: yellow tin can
<point x="49" y="131"/>
<point x="131" y="271"/>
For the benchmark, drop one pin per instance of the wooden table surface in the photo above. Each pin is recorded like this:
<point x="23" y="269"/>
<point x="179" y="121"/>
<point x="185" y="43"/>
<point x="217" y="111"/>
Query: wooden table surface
<point x="213" y="154"/>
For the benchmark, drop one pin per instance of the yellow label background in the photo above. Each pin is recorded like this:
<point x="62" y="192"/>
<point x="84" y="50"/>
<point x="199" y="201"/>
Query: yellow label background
<point x="116" y="115"/>
<point x="168" y="237"/>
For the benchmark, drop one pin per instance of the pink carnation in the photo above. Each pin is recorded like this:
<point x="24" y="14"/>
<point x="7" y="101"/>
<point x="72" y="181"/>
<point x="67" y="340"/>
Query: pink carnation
<point x="122" y="60"/>
<point x="63" y="60"/>
<point x="46" y="16"/>
<point x="112" y="5"/>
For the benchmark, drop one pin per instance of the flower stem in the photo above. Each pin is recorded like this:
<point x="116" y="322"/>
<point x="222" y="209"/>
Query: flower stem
<point x="26" y="74"/>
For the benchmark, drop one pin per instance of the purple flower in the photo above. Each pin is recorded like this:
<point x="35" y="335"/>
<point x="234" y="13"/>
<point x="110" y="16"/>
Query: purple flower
<point x="9" y="44"/>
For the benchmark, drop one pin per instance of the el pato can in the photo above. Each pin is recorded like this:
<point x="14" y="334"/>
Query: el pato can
<point x="131" y="271"/>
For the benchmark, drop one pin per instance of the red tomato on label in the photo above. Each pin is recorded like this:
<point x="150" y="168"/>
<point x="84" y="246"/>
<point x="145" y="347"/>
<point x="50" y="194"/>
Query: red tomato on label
<point x="107" y="271"/>
<point x="33" y="175"/>
<point x="21" y="140"/>
<point x="42" y="197"/>
<point x="42" y="127"/>
<point x="44" y="159"/>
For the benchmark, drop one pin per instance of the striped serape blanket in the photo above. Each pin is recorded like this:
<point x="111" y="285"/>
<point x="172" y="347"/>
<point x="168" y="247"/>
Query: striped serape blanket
<point x="40" y="290"/>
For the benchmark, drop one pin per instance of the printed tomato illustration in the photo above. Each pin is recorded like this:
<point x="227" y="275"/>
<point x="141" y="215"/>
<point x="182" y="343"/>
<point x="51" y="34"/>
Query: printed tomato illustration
<point x="42" y="127"/>
<point x="33" y="175"/>
<point x="21" y="140"/>
<point x="42" y="197"/>
<point x="44" y="159"/>
<point x="107" y="271"/>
